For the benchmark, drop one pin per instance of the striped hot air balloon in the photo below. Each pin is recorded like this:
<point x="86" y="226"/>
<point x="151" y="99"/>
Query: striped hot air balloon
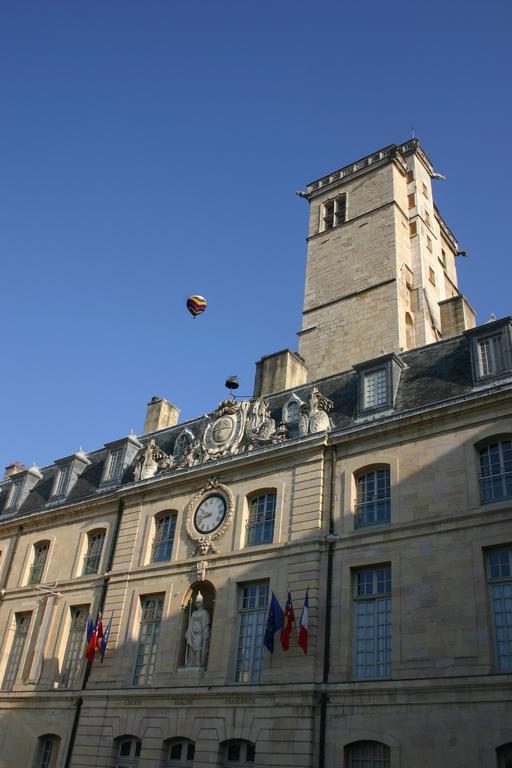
<point x="196" y="305"/>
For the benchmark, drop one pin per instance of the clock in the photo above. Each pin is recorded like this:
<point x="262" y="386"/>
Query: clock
<point x="210" y="514"/>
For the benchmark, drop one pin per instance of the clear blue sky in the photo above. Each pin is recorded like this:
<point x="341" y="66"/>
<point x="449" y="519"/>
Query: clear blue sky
<point x="150" y="150"/>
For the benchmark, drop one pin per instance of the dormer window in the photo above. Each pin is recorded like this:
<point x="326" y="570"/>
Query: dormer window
<point x="491" y="350"/>
<point x="15" y="494"/>
<point x="375" y="388"/>
<point x="114" y="464"/>
<point x="120" y="455"/>
<point x="378" y="383"/>
<point x="62" y="480"/>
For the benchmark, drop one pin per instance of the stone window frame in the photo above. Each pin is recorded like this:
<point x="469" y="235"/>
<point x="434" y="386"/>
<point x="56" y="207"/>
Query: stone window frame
<point x="48" y="747"/>
<point x="328" y="220"/>
<point x="251" y="500"/>
<point x="127" y="760"/>
<point x="373" y="598"/>
<point x="246" y="753"/>
<point x="493" y="477"/>
<point x="159" y="516"/>
<point x="496" y="329"/>
<point x="255" y="656"/>
<point x="392" y="364"/>
<point x="187" y="752"/>
<point x="33" y="577"/>
<point x="141" y="639"/>
<point x="364" y="472"/>
<point x="20" y="624"/>
<point x="94" y="532"/>
<point x="352" y="760"/>
<point x="73" y="658"/>
<point x="498" y="574"/>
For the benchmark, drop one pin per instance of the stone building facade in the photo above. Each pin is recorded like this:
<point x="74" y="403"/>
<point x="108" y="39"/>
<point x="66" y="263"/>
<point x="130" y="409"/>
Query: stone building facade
<point x="372" y="470"/>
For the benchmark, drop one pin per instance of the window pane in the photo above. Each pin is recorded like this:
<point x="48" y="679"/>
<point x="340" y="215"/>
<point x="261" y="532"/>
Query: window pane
<point x="373" y="502"/>
<point x="372" y="640"/>
<point x="253" y="614"/>
<point x="75" y="646"/>
<point x="500" y="586"/>
<point x="260" y="527"/>
<point x="18" y="643"/>
<point x="148" y="639"/>
<point x="375" y="388"/>
<point x="164" y="538"/>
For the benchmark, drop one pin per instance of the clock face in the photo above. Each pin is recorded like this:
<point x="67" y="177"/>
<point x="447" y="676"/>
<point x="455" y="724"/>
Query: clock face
<point x="210" y="514"/>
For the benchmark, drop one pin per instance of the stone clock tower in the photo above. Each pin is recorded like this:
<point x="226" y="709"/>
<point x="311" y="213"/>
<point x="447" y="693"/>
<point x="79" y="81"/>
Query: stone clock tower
<point x="381" y="271"/>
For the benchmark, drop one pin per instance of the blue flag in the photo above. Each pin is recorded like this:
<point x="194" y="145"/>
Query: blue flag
<point x="104" y="640"/>
<point x="274" y="622"/>
<point x="90" y="628"/>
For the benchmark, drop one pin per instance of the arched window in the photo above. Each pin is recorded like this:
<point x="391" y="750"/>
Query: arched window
<point x="496" y="471"/>
<point x="92" y="557"/>
<point x="292" y="412"/>
<point x="165" y="526"/>
<point x="367" y="754"/>
<point x="179" y="752"/>
<point x="409" y="331"/>
<point x="36" y="569"/>
<point x="504" y="756"/>
<point x="239" y="752"/>
<point x="260" y="526"/>
<point x="127" y="752"/>
<point x="48" y="750"/>
<point x="373" y="497"/>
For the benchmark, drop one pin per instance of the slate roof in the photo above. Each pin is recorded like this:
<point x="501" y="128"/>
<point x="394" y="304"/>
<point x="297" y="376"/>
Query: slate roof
<point x="434" y="374"/>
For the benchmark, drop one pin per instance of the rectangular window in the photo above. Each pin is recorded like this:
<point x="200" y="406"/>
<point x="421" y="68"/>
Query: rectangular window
<point x="375" y="388"/>
<point x="372" y="625"/>
<point x="427" y="218"/>
<point x="424" y="189"/>
<point x="92" y="557"/>
<point x="151" y="616"/>
<point x="62" y="482"/>
<point x="499" y="572"/>
<point x="491" y="355"/>
<point x="373" y="501"/>
<point x="429" y="244"/>
<point x="75" y="646"/>
<point x="410" y="176"/>
<point x="114" y="464"/>
<point x="15" y="494"/>
<point x="413" y="229"/>
<point x="431" y="275"/>
<point x="164" y="538"/>
<point x="335" y="212"/>
<point x="443" y="257"/>
<point x="37" y="567"/>
<point x="253" y="618"/>
<point x="411" y="200"/>
<point x="496" y="471"/>
<point x="260" y="528"/>
<point x="18" y="643"/>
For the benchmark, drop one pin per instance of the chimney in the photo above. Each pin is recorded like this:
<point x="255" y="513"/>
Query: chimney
<point x="457" y="315"/>
<point x="282" y="370"/>
<point x="13" y="469"/>
<point x="160" y="414"/>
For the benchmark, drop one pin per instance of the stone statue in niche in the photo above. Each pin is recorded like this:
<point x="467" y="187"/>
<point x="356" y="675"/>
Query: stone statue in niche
<point x="198" y="635"/>
<point x="150" y="461"/>
<point x="314" y="416"/>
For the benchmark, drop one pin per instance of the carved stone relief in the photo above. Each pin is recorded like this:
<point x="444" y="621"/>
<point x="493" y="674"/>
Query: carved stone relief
<point x="314" y="415"/>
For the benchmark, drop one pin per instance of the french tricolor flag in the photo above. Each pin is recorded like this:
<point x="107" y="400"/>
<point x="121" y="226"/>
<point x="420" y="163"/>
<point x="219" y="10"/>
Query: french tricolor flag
<point x="303" y="626"/>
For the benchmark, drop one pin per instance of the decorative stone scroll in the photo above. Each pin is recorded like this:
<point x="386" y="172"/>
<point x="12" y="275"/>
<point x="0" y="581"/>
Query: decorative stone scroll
<point x="151" y="461"/>
<point x="314" y="415"/>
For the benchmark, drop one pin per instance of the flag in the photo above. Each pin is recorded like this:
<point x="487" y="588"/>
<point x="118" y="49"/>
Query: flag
<point x="104" y="640"/>
<point x="288" y="623"/>
<point x="303" y="625"/>
<point x="94" y="640"/>
<point x="90" y="628"/>
<point x="274" y="622"/>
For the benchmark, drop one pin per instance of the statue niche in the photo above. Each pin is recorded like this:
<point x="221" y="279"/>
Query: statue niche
<point x="198" y="608"/>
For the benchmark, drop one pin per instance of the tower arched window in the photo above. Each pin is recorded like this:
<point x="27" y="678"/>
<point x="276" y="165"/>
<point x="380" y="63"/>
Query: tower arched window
<point x="367" y="754"/>
<point x="409" y="331"/>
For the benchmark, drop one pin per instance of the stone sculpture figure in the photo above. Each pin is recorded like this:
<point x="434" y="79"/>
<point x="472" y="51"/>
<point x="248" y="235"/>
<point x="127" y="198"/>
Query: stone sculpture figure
<point x="314" y="416"/>
<point x="151" y="461"/>
<point x="198" y="635"/>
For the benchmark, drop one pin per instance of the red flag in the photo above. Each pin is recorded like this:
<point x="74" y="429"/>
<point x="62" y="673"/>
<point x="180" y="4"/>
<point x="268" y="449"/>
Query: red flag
<point x="288" y="623"/>
<point x="95" y="641"/>
<point x="303" y="625"/>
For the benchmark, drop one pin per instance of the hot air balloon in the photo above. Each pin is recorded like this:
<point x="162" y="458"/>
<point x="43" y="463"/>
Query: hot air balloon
<point x="196" y="305"/>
